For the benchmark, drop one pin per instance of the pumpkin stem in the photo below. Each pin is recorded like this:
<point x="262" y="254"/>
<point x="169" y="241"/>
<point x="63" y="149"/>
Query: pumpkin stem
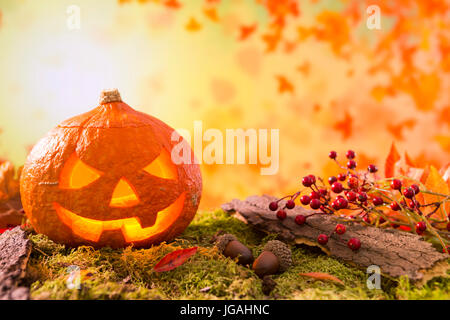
<point x="110" y="95"/>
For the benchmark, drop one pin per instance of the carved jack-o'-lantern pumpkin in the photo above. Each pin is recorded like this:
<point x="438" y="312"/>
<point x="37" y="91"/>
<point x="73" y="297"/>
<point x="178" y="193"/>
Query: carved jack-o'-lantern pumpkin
<point x="106" y="178"/>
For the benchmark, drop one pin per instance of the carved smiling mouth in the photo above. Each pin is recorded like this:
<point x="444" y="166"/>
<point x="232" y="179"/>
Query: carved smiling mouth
<point x="132" y="231"/>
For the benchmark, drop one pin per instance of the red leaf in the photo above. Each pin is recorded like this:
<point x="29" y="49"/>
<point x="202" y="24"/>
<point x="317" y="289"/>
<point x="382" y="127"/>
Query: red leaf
<point x="322" y="276"/>
<point x="391" y="160"/>
<point x="174" y="259"/>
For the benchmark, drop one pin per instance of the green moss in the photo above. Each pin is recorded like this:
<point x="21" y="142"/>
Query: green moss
<point x="128" y="273"/>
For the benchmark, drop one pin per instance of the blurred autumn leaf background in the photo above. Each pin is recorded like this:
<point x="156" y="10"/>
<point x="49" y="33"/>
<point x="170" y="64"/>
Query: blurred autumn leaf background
<point x="309" y="68"/>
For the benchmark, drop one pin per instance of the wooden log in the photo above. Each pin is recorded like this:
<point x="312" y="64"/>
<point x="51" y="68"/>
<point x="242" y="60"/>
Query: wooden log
<point x="396" y="252"/>
<point x="15" y="250"/>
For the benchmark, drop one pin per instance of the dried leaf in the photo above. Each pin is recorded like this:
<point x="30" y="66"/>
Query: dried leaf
<point x="437" y="184"/>
<point x="211" y="13"/>
<point x="284" y="85"/>
<point x="391" y="160"/>
<point x="322" y="276"/>
<point x="9" y="186"/>
<point x="345" y="126"/>
<point x="193" y="25"/>
<point x="174" y="259"/>
<point x="246" y="31"/>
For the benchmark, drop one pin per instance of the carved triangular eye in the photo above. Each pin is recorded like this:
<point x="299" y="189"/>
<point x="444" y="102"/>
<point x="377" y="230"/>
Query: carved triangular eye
<point x="124" y="195"/>
<point x="76" y="174"/>
<point x="163" y="166"/>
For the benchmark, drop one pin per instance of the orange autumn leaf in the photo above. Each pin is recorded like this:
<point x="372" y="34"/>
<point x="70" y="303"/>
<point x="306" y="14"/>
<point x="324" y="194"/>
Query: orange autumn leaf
<point x="271" y="41"/>
<point x="443" y="141"/>
<point x="284" y="85"/>
<point x="246" y="31"/>
<point x="391" y="160"/>
<point x="304" y="68"/>
<point x="345" y="126"/>
<point x="211" y="13"/>
<point x="397" y="129"/>
<point x="436" y="183"/>
<point x="408" y="160"/>
<point x="193" y="25"/>
<point x="322" y="276"/>
<point x="173" y="4"/>
<point x="289" y="46"/>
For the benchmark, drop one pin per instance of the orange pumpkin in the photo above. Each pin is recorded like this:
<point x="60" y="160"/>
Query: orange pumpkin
<point x="106" y="178"/>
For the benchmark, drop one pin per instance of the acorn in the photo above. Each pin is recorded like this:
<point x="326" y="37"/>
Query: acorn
<point x="276" y="257"/>
<point x="231" y="247"/>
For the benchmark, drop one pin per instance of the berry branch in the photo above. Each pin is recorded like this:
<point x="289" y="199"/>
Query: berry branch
<point x="384" y="203"/>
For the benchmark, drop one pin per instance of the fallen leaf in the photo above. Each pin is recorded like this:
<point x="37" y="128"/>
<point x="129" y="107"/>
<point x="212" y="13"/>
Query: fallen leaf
<point x="211" y="13"/>
<point x="284" y="85"/>
<point x="173" y="4"/>
<point x="436" y="183"/>
<point x="391" y="160"/>
<point x="322" y="276"/>
<point x="345" y="126"/>
<point x="193" y="25"/>
<point x="9" y="185"/>
<point x="174" y="259"/>
<point x="246" y="31"/>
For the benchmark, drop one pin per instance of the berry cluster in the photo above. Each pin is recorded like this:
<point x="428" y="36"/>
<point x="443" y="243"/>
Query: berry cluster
<point x="366" y="199"/>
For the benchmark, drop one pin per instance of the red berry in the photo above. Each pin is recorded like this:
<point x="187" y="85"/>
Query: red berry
<point x="340" y="229"/>
<point x="281" y="214"/>
<point x="314" y="204"/>
<point x="313" y="178"/>
<point x="290" y="204"/>
<point x="342" y="203"/>
<point x="307" y="181"/>
<point x="354" y="244"/>
<point x="411" y="204"/>
<point x="273" y="206"/>
<point x="448" y="226"/>
<point x="314" y="195"/>
<point x="381" y="220"/>
<point x="322" y="239"/>
<point x="351" y="164"/>
<point x="332" y="180"/>
<point x="300" y="219"/>
<point x="372" y="168"/>
<point x="378" y="201"/>
<point x="366" y="219"/>
<point x="332" y="154"/>
<point x="396" y="184"/>
<point x="337" y="187"/>
<point x="416" y="188"/>
<point x="408" y="193"/>
<point x="351" y="196"/>
<point x="394" y="206"/>
<point x="362" y="197"/>
<point x="341" y="176"/>
<point x="350" y="154"/>
<point x="353" y="183"/>
<point x="421" y="226"/>
<point x="305" y="200"/>
<point x="335" y="205"/>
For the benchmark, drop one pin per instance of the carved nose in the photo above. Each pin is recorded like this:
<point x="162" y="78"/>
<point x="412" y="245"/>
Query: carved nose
<point x="124" y="195"/>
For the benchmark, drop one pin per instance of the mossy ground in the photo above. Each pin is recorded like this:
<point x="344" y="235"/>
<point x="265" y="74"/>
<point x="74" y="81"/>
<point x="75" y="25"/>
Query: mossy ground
<point x="128" y="274"/>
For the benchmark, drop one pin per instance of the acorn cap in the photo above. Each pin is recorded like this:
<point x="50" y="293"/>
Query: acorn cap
<point x="281" y="251"/>
<point x="223" y="240"/>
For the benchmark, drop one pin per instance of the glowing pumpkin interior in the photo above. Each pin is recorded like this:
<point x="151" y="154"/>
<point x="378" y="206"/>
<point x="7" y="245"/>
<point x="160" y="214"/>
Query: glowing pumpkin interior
<point x="77" y="174"/>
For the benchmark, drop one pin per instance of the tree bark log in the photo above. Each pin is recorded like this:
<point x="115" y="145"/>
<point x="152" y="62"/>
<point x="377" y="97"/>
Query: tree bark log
<point x="15" y="250"/>
<point x="397" y="253"/>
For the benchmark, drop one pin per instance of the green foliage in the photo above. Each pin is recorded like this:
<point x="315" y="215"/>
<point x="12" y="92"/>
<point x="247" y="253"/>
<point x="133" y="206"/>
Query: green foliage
<point x="127" y="273"/>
